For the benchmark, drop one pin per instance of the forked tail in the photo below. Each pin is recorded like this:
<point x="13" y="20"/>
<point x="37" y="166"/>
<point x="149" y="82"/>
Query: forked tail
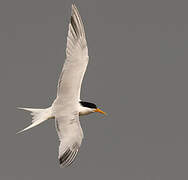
<point x="38" y="116"/>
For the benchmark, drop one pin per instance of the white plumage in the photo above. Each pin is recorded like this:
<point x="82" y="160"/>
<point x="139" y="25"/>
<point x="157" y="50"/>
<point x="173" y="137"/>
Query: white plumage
<point x="67" y="106"/>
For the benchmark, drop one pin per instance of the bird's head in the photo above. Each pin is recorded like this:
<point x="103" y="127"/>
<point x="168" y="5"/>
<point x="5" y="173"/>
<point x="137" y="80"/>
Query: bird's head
<point x="89" y="108"/>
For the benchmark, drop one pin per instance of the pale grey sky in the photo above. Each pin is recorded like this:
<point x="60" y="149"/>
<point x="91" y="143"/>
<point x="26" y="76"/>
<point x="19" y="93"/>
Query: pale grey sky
<point x="137" y="73"/>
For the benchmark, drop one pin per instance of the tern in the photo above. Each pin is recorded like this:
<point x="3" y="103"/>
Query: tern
<point x="67" y="107"/>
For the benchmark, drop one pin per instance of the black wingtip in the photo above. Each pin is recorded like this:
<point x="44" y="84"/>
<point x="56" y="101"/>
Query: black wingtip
<point x="64" y="157"/>
<point x="68" y="157"/>
<point x="73" y="23"/>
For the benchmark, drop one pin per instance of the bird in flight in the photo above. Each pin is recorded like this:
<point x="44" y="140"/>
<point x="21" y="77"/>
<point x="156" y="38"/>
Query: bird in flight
<point x="67" y="107"/>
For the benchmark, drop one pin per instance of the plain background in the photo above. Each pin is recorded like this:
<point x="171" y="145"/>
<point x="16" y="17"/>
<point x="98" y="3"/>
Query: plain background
<point x="137" y="73"/>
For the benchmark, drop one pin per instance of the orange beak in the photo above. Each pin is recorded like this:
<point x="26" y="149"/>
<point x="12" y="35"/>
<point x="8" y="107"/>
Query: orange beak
<point x="100" y="111"/>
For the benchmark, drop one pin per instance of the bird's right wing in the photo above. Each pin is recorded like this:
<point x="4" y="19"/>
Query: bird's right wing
<point x="70" y="79"/>
<point x="70" y="134"/>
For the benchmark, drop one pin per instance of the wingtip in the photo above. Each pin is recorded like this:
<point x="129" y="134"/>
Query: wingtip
<point x="73" y="6"/>
<point x="74" y="9"/>
<point x="67" y="158"/>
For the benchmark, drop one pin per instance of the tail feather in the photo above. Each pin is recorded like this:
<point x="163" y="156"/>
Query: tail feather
<point x="38" y="116"/>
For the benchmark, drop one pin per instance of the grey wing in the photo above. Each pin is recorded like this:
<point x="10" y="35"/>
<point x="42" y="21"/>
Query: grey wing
<point x="70" y="134"/>
<point x="75" y="65"/>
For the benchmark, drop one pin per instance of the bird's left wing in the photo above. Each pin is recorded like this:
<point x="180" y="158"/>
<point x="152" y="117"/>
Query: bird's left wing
<point x="70" y="79"/>
<point x="70" y="134"/>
